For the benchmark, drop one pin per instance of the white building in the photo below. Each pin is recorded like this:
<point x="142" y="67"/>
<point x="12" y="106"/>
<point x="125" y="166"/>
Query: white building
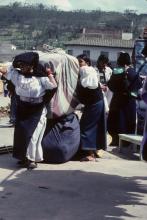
<point x="93" y="47"/>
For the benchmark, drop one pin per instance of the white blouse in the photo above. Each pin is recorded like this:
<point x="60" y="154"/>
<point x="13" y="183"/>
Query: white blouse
<point x="108" y="73"/>
<point x="89" y="77"/>
<point x="33" y="87"/>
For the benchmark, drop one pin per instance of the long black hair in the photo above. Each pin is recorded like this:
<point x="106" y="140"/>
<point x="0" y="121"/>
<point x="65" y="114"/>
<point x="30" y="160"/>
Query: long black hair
<point x="123" y="59"/>
<point x="85" y="58"/>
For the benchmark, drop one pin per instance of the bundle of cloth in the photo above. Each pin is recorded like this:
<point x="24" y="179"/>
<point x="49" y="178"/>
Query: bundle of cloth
<point x="62" y="136"/>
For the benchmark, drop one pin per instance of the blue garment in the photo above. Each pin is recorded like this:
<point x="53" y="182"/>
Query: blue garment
<point x="93" y="127"/>
<point x="122" y="112"/>
<point x="61" y="140"/>
<point x="13" y="108"/>
<point x="122" y="116"/>
<point x="144" y="142"/>
<point x="28" y="117"/>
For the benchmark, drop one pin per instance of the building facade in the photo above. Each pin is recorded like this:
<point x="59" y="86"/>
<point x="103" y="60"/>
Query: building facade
<point x="94" y="47"/>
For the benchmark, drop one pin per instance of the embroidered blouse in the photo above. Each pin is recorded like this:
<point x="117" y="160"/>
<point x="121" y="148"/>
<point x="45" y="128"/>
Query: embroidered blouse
<point x="32" y="86"/>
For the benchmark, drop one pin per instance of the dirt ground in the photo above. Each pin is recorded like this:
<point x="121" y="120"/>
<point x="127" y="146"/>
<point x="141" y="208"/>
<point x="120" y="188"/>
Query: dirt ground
<point x="4" y="111"/>
<point x="1" y="86"/>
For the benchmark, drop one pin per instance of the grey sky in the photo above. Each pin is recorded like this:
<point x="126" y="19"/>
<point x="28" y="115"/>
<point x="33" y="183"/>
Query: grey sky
<point x="108" y="5"/>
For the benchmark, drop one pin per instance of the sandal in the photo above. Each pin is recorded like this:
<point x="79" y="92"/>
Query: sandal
<point x="89" y="156"/>
<point x="99" y="153"/>
<point x="23" y="163"/>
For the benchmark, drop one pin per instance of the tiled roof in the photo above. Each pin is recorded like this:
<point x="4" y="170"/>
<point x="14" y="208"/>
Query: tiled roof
<point x="92" y="41"/>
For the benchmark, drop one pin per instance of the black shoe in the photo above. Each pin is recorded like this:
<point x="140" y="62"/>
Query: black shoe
<point x="114" y="143"/>
<point x="31" y="165"/>
<point x="23" y="163"/>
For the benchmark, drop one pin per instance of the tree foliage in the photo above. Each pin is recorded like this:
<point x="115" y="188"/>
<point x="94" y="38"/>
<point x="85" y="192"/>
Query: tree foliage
<point x="39" y="24"/>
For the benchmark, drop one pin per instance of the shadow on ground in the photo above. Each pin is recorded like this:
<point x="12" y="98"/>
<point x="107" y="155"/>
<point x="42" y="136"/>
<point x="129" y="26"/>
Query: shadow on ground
<point x="68" y="195"/>
<point x="126" y="153"/>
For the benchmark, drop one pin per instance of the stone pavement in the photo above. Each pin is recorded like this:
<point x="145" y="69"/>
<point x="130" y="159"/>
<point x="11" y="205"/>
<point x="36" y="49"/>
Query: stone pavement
<point x="108" y="189"/>
<point x="113" y="188"/>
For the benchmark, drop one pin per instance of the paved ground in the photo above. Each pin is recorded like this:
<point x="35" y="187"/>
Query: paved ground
<point x="113" y="188"/>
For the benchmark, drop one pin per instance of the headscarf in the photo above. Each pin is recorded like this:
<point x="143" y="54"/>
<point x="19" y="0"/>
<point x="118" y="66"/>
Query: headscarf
<point x="30" y="58"/>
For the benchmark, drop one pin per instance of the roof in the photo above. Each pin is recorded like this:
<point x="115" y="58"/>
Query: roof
<point x="99" y="42"/>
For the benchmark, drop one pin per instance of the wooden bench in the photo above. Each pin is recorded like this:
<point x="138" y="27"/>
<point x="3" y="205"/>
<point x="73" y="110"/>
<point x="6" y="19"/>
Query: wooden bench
<point x="131" y="138"/>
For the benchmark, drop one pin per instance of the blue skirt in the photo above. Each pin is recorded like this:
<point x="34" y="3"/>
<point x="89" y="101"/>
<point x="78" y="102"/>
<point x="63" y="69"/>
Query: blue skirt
<point x="93" y="127"/>
<point x="28" y="117"/>
<point x="144" y="142"/>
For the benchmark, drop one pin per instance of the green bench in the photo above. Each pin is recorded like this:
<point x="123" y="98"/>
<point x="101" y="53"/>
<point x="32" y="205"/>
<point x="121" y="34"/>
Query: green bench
<point x="131" y="138"/>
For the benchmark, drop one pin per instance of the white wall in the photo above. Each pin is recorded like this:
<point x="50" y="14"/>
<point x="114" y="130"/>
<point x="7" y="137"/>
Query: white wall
<point x="95" y="51"/>
<point x="127" y="36"/>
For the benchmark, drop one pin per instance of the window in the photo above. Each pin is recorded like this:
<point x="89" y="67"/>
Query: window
<point x="70" y="52"/>
<point x="105" y="53"/>
<point x="86" y="52"/>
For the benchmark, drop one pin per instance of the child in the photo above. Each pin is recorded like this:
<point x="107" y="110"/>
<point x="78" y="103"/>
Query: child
<point x="31" y="83"/>
<point x="105" y="73"/>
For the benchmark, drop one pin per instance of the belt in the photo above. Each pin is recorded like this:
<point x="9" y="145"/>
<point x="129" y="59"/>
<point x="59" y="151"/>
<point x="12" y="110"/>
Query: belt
<point x="31" y="100"/>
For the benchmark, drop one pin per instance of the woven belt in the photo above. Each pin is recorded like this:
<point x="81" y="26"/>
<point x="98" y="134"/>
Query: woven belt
<point x="31" y="100"/>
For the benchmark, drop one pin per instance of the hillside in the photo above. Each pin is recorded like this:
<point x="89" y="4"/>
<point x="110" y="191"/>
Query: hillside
<point x="31" y="26"/>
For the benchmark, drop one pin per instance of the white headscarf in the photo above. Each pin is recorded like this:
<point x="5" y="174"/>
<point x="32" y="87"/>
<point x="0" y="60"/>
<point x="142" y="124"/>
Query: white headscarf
<point x="88" y="77"/>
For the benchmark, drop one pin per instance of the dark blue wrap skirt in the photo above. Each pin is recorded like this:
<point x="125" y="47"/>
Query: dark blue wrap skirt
<point x="144" y="142"/>
<point x="93" y="127"/>
<point x="28" y="117"/>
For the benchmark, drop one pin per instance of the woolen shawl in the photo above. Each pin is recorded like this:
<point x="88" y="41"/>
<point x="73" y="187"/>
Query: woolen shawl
<point x="66" y="70"/>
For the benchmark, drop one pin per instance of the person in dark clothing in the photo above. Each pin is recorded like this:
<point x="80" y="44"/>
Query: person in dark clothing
<point x="124" y="83"/>
<point x="105" y="72"/>
<point x="144" y="141"/>
<point x="92" y="123"/>
<point x="31" y="82"/>
<point x="62" y="136"/>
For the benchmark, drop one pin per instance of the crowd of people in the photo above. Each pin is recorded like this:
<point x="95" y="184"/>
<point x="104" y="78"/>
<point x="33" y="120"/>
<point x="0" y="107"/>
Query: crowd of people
<point x="48" y="87"/>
